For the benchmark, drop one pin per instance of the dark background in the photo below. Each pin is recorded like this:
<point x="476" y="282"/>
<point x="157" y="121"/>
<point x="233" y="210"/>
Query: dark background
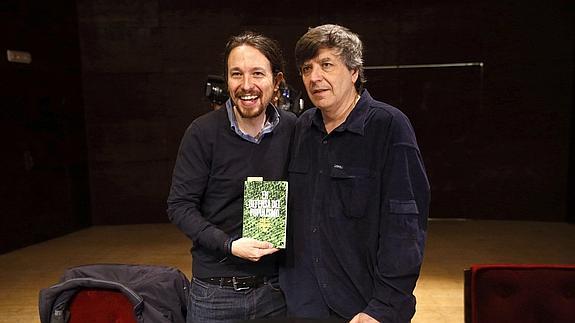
<point x="90" y="129"/>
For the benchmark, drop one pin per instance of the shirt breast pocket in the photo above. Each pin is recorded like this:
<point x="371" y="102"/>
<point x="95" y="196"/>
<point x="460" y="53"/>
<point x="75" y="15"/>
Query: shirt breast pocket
<point x="350" y="191"/>
<point x="299" y="188"/>
<point x="299" y="167"/>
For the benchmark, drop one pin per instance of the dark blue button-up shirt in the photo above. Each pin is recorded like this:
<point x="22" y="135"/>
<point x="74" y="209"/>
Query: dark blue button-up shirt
<point x="359" y="200"/>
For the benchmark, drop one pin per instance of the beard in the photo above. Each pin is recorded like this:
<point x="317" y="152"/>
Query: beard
<point x="252" y="112"/>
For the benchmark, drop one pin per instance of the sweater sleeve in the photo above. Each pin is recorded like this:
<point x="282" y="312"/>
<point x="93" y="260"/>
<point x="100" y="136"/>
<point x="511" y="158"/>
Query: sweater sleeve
<point x="403" y="227"/>
<point x="189" y="182"/>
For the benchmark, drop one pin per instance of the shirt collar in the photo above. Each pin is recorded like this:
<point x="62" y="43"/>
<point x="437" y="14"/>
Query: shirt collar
<point x="272" y="120"/>
<point x="355" y="121"/>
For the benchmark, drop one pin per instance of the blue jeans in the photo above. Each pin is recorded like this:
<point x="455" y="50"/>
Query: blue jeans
<point x="214" y="304"/>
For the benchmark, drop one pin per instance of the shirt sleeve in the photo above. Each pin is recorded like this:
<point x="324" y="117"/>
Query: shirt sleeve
<point x="404" y="209"/>
<point x="189" y="182"/>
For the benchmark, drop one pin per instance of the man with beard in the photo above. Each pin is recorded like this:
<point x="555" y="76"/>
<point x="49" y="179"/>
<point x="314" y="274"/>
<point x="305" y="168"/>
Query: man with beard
<point x="359" y="195"/>
<point x="234" y="278"/>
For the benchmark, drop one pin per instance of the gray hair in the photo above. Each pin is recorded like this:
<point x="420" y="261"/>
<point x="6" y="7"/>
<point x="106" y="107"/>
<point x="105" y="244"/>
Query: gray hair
<point x="347" y="45"/>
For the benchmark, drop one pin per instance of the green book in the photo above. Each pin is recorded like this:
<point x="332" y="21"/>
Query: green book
<point x="265" y="210"/>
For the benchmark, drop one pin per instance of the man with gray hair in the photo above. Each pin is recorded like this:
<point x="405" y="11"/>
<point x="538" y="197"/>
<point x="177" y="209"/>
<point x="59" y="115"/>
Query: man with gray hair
<point x="359" y="193"/>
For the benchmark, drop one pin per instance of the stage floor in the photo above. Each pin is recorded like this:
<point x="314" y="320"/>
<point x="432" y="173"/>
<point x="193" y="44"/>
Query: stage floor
<point x="452" y="246"/>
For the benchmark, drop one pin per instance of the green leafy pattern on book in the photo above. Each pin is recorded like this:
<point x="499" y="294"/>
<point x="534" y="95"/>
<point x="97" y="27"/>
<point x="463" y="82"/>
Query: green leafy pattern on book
<point x="265" y="211"/>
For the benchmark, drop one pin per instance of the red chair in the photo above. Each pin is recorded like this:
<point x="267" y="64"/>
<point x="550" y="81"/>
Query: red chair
<point x="520" y="293"/>
<point x="101" y="306"/>
<point x="116" y="293"/>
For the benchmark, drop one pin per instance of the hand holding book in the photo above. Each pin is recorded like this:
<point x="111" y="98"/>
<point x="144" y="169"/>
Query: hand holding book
<point x="252" y="249"/>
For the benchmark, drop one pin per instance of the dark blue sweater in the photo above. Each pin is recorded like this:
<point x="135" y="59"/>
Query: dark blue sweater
<point x="206" y="196"/>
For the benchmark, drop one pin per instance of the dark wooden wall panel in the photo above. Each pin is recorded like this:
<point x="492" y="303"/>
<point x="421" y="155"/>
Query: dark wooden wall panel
<point x="43" y="168"/>
<point x="528" y="51"/>
<point x="93" y="124"/>
<point x="495" y="139"/>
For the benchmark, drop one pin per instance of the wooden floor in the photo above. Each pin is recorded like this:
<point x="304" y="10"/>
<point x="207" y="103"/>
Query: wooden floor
<point x="452" y="246"/>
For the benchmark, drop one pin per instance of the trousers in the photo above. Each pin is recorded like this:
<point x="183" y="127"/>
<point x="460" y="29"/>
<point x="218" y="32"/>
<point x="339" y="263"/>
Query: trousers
<point x="210" y="303"/>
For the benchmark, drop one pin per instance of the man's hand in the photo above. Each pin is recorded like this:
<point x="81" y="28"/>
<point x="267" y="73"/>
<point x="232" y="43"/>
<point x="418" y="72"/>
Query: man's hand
<point x="363" y="318"/>
<point x="252" y="249"/>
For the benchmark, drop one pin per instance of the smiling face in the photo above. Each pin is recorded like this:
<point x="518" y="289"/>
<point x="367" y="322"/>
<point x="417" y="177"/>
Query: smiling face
<point x="328" y="81"/>
<point x="251" y="82"/>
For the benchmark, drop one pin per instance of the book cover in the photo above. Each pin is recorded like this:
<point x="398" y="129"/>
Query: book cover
<point x="265" y="211"/>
